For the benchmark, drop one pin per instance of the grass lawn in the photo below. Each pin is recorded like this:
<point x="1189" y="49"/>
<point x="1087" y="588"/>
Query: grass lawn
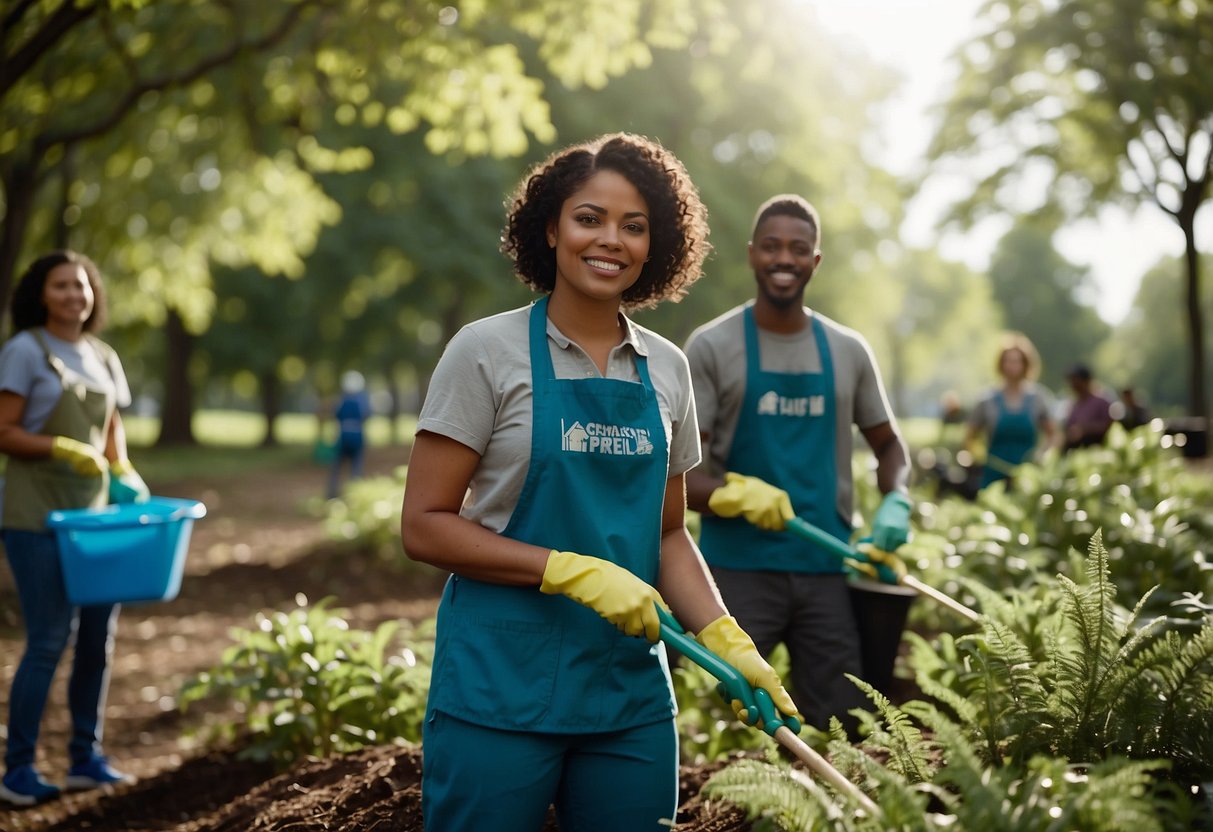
<point x="230" y="443"/>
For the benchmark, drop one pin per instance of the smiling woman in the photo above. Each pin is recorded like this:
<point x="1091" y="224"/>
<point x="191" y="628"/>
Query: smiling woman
<point x="60" y="390"/>
<point x="543" y="428"/>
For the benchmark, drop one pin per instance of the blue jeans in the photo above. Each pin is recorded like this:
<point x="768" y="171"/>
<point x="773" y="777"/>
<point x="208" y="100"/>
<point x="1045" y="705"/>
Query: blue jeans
<point x="349" y="449"/>
<point x="50" y="623"/>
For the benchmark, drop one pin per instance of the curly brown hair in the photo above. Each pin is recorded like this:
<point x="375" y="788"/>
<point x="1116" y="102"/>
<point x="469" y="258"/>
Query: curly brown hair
<point x="678" y="219"/>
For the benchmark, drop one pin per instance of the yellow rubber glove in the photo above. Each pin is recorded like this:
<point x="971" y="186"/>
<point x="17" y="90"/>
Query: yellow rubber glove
<point x="83" y="457"/>
<point x="761" y="503"/>
<point x="609" y="590"/>
<point x="726" y="639"/>
<point x="126" y="486"/>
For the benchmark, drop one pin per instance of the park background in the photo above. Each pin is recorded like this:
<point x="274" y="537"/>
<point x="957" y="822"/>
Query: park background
<point x="280" y="191"/>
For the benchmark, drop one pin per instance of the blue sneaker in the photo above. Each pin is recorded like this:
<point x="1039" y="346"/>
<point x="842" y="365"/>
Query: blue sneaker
<point x="94" y="772"/>
<point x="24" y="786"/>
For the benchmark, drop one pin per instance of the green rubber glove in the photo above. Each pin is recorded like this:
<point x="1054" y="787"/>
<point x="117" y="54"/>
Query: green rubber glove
<point x="126" y="486"/>
<point x="726" y="639"/>
<point x="891" y="525"/>
<point x="609" y="590"/>
<point x="83" y="457"/>
<point x="761" y="503"/>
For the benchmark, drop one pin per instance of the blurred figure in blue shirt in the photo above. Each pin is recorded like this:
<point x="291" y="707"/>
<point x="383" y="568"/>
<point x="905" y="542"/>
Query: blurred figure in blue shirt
<point x="352" y="412"/>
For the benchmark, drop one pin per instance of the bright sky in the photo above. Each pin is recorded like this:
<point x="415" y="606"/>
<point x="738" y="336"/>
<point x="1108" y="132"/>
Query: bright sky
<point x="917" y="37"/>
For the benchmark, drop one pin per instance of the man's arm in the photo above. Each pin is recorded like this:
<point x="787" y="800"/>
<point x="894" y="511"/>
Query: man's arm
<point x="892" y="457"/>
<point x="699" y="483"/>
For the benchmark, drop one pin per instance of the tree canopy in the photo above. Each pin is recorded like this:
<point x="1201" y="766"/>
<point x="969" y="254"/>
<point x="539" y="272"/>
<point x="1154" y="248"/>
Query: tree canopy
<point x="1104" y="100"/>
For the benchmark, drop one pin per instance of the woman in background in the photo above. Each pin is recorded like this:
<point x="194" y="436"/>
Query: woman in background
<point x="1015" y="416"/>
<point x="60" y="390"/>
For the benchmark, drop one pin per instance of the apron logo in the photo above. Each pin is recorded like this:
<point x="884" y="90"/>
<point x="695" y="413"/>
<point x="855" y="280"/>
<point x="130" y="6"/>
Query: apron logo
<point x="609" y="440"/>
<point x="773" y="404"/>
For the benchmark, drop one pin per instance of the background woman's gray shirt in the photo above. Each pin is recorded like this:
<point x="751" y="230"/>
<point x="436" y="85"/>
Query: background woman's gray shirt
<point x="717" y="356"/>
<point x="480" y="396"/>
<point x="25" y="371"/>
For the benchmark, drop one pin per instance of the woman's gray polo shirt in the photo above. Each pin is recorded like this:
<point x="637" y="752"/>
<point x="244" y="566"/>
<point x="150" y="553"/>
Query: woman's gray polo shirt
<point x="480" y="396"/>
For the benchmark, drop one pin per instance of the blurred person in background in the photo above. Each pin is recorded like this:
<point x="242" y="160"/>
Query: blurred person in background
<point x="1130" y="411"/>
<point x="60" y="390"/>
<point x="351" y="414"/>
<point x="1090" y="413"/>
<point x="1015" y="417"/>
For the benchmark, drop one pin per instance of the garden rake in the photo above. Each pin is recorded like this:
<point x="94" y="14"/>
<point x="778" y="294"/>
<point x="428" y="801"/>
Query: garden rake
<point x="734" y="686"/>
<point x="869" y="559"/>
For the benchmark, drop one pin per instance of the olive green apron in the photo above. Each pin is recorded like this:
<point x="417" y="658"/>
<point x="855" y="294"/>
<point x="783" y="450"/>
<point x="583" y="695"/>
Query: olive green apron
<point x="36" y="487"/>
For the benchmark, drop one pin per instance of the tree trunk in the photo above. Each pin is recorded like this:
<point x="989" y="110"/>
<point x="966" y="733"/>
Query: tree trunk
<point x="67" y="174"/>
<point x="1198" y="404"/>
<point x="271" y="405"/>
<point x="18" y="198"/>
<point x="176" y="417"/>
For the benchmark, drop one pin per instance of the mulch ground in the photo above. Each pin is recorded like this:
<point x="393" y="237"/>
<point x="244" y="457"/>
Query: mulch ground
<point x="257" y="549"/>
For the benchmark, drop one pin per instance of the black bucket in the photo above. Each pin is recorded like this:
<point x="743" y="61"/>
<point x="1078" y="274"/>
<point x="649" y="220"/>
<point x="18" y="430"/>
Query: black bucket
<point x="1190" y="434"/>
<point x="881" y="611"/>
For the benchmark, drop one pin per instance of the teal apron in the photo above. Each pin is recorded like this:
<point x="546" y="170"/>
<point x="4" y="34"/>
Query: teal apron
<point x="785" y="436"/>
<point x="1011" y="440"/>
<point x="513" y="658"/>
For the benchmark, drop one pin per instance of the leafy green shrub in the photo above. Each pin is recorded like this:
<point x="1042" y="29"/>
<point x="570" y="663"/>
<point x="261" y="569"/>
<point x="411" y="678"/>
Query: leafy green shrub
<point x="367" y="514"/>
<point x="1155" y="515"/>
<point x="306" y="684"/>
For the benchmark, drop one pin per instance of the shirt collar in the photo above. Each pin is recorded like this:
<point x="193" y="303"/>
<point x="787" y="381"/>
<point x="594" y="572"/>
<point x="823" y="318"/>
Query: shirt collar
<point x="632" y="336"/>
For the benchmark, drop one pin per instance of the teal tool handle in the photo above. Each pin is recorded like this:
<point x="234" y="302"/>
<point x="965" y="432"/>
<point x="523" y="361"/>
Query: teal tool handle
<point x="825" y="540"/>
<point x="732" y="685"/>
<point x="850" y="556"/>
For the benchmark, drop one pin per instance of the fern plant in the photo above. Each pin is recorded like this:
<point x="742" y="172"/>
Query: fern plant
<point x="1084" y="682"/>
<point x="964" y="793"/>
<point x="1076" y="715"/>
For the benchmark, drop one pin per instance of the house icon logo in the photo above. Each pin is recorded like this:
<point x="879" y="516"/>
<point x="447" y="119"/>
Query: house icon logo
<point x="768" y="404"/>
<point x="574" y="438"/>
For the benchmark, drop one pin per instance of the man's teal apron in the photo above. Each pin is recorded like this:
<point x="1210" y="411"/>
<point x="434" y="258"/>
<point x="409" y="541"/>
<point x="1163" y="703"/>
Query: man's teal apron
<point x="515" y="659"/>
<point x="1011" y="440"/>
<point x="785" y="436"/>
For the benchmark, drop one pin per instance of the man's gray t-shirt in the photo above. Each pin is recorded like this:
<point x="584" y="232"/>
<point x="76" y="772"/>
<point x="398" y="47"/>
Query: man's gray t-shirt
<point x="480" y="396"/>
<point x="25" y="371"/>
<point x="717" y="356"/>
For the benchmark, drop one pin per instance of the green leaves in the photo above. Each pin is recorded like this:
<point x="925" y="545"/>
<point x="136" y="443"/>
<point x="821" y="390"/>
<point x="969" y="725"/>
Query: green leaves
<point x="307" y="683"/>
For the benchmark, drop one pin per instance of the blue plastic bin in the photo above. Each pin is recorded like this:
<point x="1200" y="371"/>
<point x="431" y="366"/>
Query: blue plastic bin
<point x="125" y="553"/>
